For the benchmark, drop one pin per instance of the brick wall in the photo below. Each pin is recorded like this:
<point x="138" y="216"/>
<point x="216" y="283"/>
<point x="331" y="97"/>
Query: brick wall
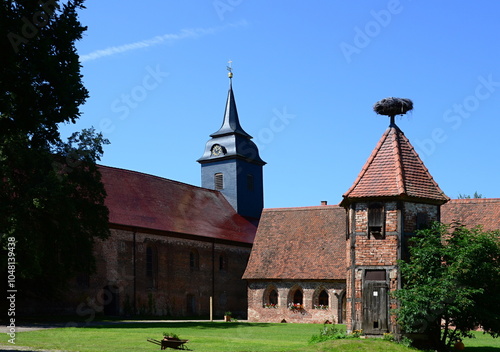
<point x="168" y="282"/>
<point x="364" y="252"/>
<point x="257" y="298"/>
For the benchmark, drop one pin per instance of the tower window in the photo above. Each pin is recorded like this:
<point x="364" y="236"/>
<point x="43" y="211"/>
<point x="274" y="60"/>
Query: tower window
<point x="376" y="220"/>
<point x="219" y="181"/>
<point x="422" y="221"/>
<point x="250" y="183"/>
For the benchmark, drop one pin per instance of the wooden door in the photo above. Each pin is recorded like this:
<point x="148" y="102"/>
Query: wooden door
<point x="375" y="307"/>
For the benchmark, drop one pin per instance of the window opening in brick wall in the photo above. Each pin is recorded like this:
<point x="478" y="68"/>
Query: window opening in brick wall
<point x="222" y="262"/>
<point x="298" y="297"/>
<point x="323" y="299"/>
<point x="273" y="297"/>
<point x="375" y="275"/>
<point x="149" y="262"/>
<point x="376" y="220"/>
<point x="190" y="304"/>
<point x="422" y="220"/>
<point x="219" y="181"/>
<point x="194" y="260"/>
<point x="151" y="266"/>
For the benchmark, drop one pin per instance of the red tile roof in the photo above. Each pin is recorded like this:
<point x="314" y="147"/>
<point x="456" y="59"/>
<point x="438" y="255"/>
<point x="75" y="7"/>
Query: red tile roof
<point x="473" y="212"/>
<point x="394" y="169"/>
<point x="299" y="243"/>
<point x="149" y="202"/>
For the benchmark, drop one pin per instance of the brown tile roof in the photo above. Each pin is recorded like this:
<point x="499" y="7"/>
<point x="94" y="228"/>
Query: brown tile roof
<point x="394" y="169"/>
<point x="473" y="212"/>
<point x="145" y="201"/>
<point x="299" y="243"/>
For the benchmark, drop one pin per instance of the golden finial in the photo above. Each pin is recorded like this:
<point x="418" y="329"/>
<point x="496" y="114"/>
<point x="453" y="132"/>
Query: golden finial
<point x="230" y="69"/>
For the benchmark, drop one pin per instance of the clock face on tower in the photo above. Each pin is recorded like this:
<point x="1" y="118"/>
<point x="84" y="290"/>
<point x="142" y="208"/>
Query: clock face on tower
<point x="217" y="150"/>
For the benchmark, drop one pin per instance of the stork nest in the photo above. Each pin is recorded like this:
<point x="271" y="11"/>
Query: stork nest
<point x="393" y="106"/>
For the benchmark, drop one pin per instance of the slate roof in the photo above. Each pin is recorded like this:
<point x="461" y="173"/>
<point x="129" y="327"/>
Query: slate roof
<point x="394" y="169"/>
<point x="145" y="201"/>
<point x="306" y="243"/>
<point x="231" y="136"/>
<point x="473" y="212"/>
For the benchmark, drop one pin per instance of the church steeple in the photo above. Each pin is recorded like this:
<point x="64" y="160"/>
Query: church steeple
<point x="231" y="122"/>
<point x="231" y="163"/>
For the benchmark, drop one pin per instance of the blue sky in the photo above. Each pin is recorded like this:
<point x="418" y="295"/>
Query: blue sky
<point x="306" y="75"/>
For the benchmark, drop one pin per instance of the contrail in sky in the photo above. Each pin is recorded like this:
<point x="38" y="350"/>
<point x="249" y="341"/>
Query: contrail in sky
<point x="171" y="37"/>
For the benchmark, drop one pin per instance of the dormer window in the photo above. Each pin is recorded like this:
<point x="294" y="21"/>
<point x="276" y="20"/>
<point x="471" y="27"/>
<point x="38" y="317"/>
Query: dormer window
<point x="376" y="220"/>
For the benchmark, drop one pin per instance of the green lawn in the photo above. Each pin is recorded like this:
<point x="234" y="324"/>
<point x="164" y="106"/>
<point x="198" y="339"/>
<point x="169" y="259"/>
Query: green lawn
<point x="216" y="336"/>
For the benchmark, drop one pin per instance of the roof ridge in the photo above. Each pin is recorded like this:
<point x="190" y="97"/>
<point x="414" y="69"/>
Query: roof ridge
<point x="311" y="207"/>
<point x="368" y="162"/>
<point x="475" y="200"/>
<point x="154" y="176"/>
<point x="400" y="171"/>
<point x="425" y="169"/>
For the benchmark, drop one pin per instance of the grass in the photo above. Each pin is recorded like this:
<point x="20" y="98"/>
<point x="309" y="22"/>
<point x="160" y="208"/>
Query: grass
<point x="214" y="336"/>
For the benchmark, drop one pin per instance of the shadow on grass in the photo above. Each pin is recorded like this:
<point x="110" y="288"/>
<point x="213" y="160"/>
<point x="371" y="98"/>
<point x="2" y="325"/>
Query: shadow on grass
<point x="173" y="325"/>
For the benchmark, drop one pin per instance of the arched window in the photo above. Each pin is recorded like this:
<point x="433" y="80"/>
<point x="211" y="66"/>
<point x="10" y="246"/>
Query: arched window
<point x="298" y="297"/>
<point x="273" y="297"/>
<point x="270" y="297"/>
<point x="323" y="299"/>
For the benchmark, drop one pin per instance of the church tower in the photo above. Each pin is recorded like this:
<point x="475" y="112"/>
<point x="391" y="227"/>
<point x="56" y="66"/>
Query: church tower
<point x="232" y="165"/>
<point x="393" y="196"/>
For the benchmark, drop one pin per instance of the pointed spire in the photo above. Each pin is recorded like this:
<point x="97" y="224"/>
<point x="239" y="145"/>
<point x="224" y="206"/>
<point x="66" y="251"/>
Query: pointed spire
<point x="231" y="123"/>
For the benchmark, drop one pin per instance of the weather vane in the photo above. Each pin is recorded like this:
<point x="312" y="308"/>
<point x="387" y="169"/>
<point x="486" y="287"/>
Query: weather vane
<point x="230" y="69"/>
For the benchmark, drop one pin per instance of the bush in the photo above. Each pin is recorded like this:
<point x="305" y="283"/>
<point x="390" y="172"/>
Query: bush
<point x="331" y="332"/>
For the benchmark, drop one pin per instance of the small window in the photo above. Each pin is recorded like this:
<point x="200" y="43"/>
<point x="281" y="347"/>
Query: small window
<point x="219" y="181"/>
<point x="376" y="220"/>
<point x="422" y="221"/>
<point x="250" y="182"/>
<point x="375" y="275"/>
<point x="194" y="260"/>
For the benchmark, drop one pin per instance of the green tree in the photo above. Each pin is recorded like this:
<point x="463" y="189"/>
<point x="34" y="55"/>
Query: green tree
<point x="467" y="196"/>
<point x="451" y="284"/>
<point x="51" y="196"/>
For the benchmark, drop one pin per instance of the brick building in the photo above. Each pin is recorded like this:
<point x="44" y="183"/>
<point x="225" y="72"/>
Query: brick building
<point x="174" y="247"/>
<point x="296" y="271"/>
<point x="339" y="263"/>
